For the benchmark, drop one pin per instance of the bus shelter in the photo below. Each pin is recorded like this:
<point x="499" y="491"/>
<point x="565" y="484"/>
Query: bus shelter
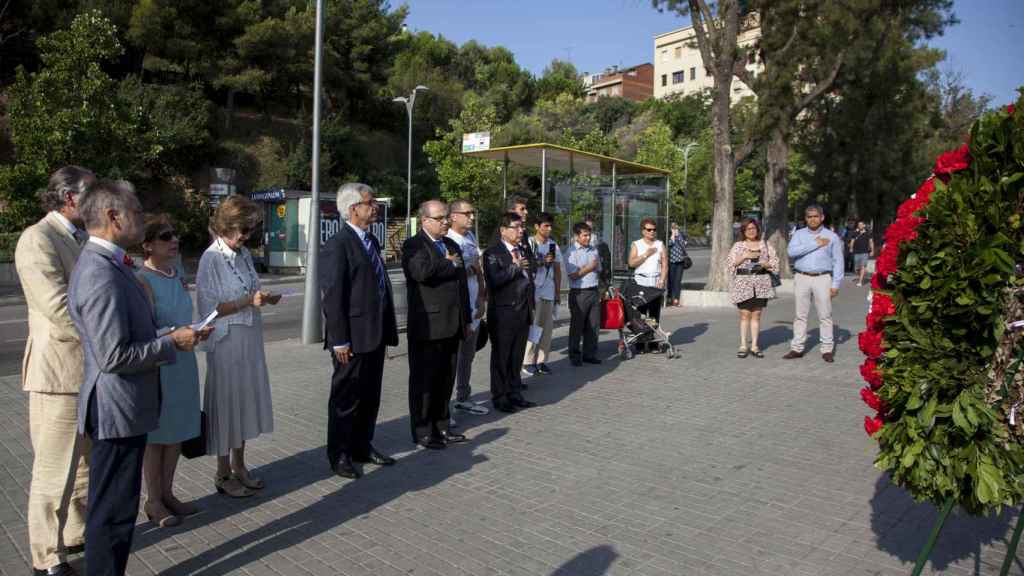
<point x="617" y="194"/>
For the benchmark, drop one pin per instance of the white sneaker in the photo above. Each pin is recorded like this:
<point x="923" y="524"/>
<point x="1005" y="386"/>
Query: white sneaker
<point x="471" y="408"/>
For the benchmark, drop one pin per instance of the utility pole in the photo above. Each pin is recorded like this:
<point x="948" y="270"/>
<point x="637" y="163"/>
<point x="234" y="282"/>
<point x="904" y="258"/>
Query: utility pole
<point x="312" y="331"/>
<point x="409" y="102"/>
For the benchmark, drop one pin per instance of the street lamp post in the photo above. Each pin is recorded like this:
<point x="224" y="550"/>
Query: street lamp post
<point x="686" y="173"/>
<point x="311" y="314"/>
<point x="409" y="102"/>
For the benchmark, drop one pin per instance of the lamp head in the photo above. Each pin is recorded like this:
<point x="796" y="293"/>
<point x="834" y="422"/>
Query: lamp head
<point x="401" y="99"/>
<point x="420" y="87"/>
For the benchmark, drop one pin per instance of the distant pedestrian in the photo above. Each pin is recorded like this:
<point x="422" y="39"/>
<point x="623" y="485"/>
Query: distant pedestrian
<point x="438" y="316"/>
<point x="749" y="262"/>
<point x="547" y="291"/>
<point x="509" y="312"/>
<point x="236" y="398"/>
<point x="818" y="262"/>
<point x="359" y="325"/>
<point x="120" y="398"/>
<point x="52" y="374"/>
<point x="862" y="246"/>
<point x="676" y="258"/>
<point x="462" y="215"/>
<point x="583" y="267"/>
<point x="180" y="411"/>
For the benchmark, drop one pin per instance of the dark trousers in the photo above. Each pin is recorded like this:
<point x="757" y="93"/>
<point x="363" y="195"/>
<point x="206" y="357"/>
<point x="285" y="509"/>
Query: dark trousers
<point x="508" y="347"/>
<point x="584" y="322"/>
<point x="115" y="481"/>
<point x="355" y="401"/>
<point x="675" y="279"/>
<point x="653" y="308"/>
<point x="431" y="380"/>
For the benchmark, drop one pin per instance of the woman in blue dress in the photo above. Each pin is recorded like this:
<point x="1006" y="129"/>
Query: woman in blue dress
<point x="179" y="382"/>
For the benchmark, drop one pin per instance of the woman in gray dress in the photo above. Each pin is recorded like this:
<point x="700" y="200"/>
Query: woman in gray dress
<point x="237" y="395"/>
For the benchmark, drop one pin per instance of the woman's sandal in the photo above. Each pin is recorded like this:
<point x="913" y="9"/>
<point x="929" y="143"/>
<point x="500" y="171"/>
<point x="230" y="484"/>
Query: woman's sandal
<point x="231" y="486"/>
<point x="741" y="353"/>
<point x="179" y="508"/>
<point x="249" y="482"/>
<point x="756" y="353"/>
<point x="160" y="516"/>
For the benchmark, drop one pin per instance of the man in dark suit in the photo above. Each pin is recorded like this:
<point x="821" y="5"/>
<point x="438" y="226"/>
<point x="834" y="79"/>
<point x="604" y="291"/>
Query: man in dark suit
<point x="438" y="302"/>
<point x="509" y="312"/>
<point x="120" y="396"/>
<point x="360" y="324"/>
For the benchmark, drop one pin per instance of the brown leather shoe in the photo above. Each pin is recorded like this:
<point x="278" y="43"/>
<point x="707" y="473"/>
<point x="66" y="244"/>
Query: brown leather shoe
<point x="793" y="354"/>
<point x="828" y="357"/>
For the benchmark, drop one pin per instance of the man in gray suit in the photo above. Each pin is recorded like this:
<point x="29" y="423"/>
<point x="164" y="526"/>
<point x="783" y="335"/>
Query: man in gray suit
<point x="120" y="395"/>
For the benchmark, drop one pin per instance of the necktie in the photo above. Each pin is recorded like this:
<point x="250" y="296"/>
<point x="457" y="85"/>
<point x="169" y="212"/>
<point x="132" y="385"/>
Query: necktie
<point x="441" y="247"/>
<point x="378" y="266"/>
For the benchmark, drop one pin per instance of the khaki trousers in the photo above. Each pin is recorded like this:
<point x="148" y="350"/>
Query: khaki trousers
<point x="538" y="353"/>
<point x="60" y="478"/>
<point x="817" y="288"/>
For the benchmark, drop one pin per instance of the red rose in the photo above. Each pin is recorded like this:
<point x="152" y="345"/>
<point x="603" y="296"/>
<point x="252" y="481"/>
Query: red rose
<point x="953" y="161"/>
<point x="1009" y="109"/>
<point x="871" y="399"/>
<point x="886" y="263"/>
<point x="877" y="281"/>
<point x="870" y="342"/>
<point x="872" y="425"/>
<point x="869" y="371"/>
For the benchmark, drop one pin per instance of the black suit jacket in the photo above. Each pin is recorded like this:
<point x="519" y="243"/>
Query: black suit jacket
<point x="353" y="308"/>
<point x="510" y="292"/>
<point x="436" y="290"/>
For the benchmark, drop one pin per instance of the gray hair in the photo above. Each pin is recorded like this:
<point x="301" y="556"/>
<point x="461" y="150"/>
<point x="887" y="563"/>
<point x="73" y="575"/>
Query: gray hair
<point x="815" y="207"/>
<point x="69" y="179"/>
<point x="425" y="207"/>
<point x="460" y="205"/>
<point x="102" y="196"/>
<point x="349" y="195"/>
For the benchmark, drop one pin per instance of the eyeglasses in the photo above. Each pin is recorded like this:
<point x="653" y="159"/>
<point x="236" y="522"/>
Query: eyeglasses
<point x="368" y="203"/>
<point x="650" y="229"/>
<point x="438" y="218"/>
<point x="167" y="236"/>
<point x="515" y="226"/>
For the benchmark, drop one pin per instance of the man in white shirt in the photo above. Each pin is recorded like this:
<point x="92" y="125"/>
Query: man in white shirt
<point x="462" y="216"/>
<point x="547" y="291"/>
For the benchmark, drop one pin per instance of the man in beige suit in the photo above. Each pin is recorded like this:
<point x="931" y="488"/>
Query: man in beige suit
<point x="52" y="375"/>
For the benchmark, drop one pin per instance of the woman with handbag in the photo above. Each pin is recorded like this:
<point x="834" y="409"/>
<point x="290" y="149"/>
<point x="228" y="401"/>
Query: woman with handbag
<point x="678" y="261"/>
<point x="751" y="263"/>
<point x="179" y="382"/>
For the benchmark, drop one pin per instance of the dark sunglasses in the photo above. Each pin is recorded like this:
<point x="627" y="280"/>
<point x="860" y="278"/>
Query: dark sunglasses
<point x="167" y="236"/>
<point x="650" y="229"/>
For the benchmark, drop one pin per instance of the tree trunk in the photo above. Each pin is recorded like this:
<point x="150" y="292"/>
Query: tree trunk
<point x="725" y="183"/>
<point x="776" y="200"/>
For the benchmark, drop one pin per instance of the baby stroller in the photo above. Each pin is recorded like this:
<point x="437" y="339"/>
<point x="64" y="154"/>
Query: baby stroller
<point x="642" y="329"/>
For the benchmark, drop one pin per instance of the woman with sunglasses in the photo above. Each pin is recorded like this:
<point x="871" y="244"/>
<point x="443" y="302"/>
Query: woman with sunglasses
<point x="649" y="260"/>
<point x="237" y="394"/>
<point x="749" y="262"/>
<point x="162" y="278"/>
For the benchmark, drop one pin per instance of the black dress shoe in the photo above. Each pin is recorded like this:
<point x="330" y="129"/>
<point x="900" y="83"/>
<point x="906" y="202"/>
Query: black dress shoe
<point x="506" y="407"/>
<point x="543" y="369"/>
<point x="520" y="402"/>
<point x="76" y="549"/>
<point x="450" y="438"/>
<point x="375" y="457"/>
<point x="432" y="442"/>
<point x="62" y="569"/>
<point x="592" y="360"/>
<point x="346" y="469"/>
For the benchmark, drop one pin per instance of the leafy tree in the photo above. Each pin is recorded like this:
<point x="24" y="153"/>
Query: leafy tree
<point x="559" y="77"/>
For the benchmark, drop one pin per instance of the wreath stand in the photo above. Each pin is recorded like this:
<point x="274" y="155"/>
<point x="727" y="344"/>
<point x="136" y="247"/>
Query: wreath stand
<point x="1011" y="550"/>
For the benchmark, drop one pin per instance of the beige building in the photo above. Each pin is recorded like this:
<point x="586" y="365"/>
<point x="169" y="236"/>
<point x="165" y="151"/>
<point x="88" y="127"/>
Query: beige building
<point x="679" y="69"/>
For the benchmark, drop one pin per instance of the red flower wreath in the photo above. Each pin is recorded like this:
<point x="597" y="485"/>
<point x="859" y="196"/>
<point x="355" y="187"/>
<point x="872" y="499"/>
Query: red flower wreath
<point x="904" y="229"/>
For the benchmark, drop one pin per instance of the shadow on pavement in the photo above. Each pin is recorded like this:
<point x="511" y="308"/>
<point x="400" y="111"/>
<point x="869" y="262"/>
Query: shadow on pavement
<point x="354" y="498"/>
<point x="593" y="562"/>
<point x="902" y="527"/>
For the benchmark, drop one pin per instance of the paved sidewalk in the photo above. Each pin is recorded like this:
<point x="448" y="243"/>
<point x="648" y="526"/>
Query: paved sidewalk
<point x="703" y="465"/>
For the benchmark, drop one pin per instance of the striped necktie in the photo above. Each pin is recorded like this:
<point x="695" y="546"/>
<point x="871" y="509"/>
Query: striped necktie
<point x="378" y="266"/>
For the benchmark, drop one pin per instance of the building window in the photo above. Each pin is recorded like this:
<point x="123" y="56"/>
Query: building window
<point x="664" y="79"/>
<point x="664" y="55"/>
<point x="678" y="77"/>
<point x="679" y="52"/>
<point x="693" y="73"/>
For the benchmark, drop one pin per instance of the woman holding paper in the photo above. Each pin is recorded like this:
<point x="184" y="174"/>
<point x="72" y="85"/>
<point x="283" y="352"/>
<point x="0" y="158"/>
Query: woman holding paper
<point x="179" y="382"/>
<point x="237" y="394"/>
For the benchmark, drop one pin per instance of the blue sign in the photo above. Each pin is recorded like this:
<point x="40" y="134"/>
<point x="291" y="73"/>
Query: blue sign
<point x="272" y="195"/>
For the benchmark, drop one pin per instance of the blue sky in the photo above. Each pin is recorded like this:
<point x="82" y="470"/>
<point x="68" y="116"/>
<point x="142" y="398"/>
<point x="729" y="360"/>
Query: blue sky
<point x="986" y="46"/>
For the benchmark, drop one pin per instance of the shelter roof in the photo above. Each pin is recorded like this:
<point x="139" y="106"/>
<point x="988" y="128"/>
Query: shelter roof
<point x="567" y="159"/>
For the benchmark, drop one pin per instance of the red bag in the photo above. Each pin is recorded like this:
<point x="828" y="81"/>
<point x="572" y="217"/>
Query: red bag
<point x="613" y="315"/>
